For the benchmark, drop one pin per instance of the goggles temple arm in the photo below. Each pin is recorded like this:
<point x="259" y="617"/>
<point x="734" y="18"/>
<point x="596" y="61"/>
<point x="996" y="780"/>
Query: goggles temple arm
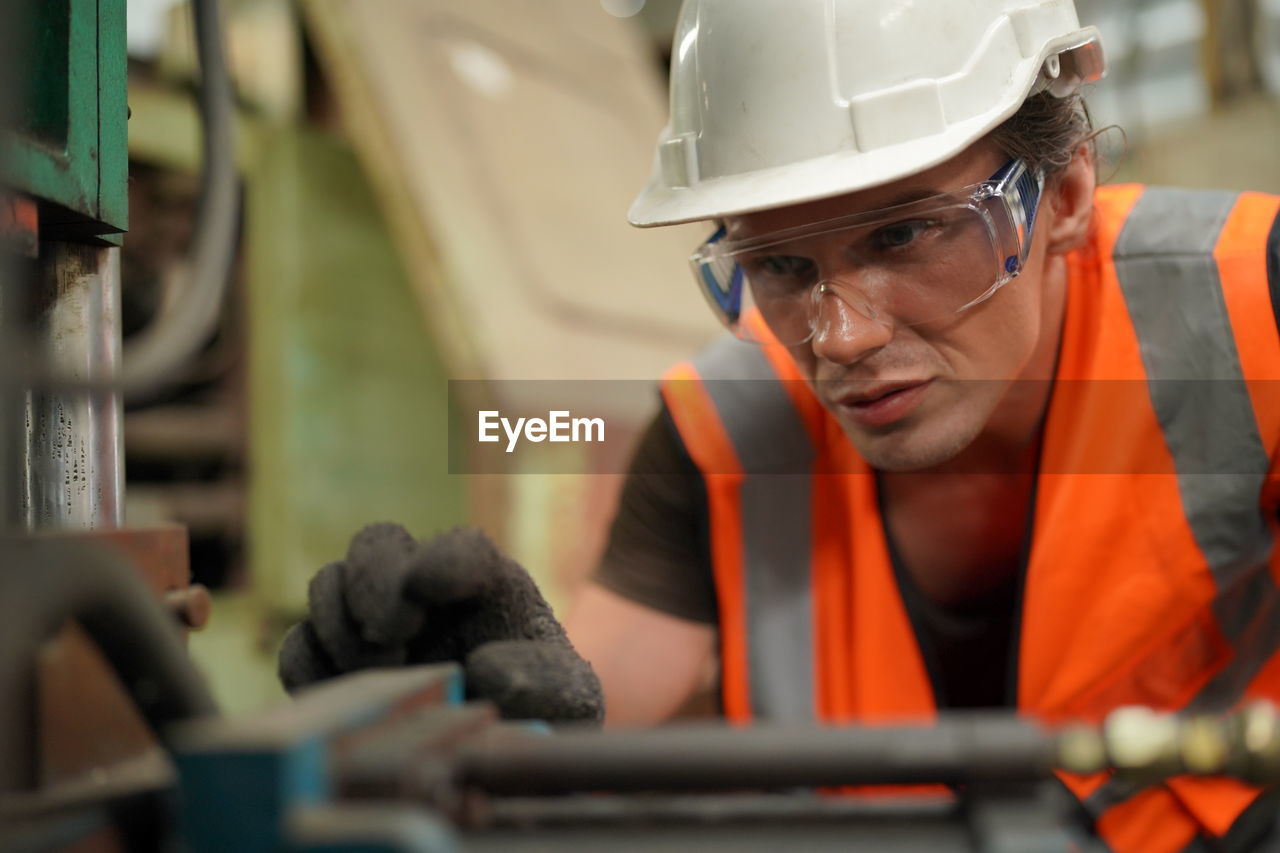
<point x="1019" y="188"/>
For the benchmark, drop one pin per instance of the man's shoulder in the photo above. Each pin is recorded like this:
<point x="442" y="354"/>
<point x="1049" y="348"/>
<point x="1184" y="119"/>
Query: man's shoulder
<point x="1147" y="220"/>
<point x="762" y="406"/>
<point x="1164" y="240"/>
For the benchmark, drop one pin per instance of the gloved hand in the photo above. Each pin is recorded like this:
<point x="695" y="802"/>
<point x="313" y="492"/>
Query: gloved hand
<point x="394" y="601"/>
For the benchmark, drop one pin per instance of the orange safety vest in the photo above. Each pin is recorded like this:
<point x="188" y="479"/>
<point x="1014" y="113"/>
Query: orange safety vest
<point x="1151" y="577"/>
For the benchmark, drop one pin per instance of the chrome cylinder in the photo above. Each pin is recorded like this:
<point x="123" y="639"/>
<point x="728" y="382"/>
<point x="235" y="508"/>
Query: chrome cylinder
<point x="71" y="467"/>
<point x="13" y="402"/>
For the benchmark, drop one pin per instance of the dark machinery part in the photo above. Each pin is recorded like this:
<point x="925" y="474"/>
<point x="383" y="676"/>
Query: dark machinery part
<point x="393" y="760"/>
<point x="962" y="750"/>
<point x="459" y="765"/>
<point x="979" y="781"/>
<point x="57" y="580"/>
<point x="45" y="581"/>
<point x="1033" y="821"/>
<point x="63" y="206"/>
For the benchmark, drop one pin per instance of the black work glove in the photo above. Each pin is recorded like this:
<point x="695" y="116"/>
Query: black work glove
<point x="395" y="601"/>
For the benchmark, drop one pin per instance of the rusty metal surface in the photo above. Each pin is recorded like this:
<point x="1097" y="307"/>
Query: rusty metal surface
<point x="159" y="553"/>
<point x="87" y="721"/>
<point x="19" y="224"/>
<point x="192" y="606"/>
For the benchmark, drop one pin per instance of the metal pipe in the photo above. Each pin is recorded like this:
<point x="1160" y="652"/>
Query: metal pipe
<point x="52" y="581"/>
<point x="964" y="749"/>
<point x="71" y="476"/>
<point x="583" y="810"/>
<point x="13" y="399"/>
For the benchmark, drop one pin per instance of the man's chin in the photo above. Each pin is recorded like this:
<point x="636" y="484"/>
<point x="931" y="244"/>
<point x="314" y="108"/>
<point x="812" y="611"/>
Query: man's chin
<point x="908" y="449"/>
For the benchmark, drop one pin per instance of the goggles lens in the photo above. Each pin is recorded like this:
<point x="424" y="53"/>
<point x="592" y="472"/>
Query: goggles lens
<point x="910" y="264"/>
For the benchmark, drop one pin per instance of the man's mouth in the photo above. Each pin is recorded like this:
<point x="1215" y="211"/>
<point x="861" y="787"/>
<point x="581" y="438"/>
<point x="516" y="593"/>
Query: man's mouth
<point x="882" y="403"/>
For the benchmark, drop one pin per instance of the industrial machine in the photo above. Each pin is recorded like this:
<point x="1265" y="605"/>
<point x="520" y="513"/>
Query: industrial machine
<point x="394" y="760"/>
<point x="63" y="383"/>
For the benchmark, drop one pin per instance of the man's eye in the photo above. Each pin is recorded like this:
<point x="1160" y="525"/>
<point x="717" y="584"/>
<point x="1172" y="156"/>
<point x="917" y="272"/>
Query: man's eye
<point x="899" y="235"/>
<point x="784" y="266"/>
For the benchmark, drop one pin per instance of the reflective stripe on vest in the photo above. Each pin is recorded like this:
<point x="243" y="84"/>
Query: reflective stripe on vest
<point x="774" y="450"/>
<point x="1165" y="264"/>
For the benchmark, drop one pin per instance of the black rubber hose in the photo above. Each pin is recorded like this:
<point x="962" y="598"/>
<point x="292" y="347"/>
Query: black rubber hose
<point x="164" y="349"/>
<point x="45" y="583"/>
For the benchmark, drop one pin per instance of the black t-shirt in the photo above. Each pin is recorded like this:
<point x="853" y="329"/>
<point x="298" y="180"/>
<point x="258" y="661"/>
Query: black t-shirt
<point x="659" y="555"/>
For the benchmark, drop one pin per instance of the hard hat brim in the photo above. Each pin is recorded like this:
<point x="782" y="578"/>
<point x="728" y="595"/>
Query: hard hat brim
<point x="839" y="173"/>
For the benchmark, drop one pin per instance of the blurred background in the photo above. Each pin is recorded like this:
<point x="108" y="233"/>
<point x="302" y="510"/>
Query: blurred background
<point x="435" y="190"/>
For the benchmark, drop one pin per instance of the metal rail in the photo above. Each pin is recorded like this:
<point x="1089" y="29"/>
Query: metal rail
<point x="962" y="750"/>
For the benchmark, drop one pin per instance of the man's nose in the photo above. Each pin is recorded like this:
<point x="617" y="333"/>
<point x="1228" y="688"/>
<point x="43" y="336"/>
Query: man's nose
<point x="846" y="328"/>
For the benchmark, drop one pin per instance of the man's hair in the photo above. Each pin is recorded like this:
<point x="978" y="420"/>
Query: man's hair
<point x="1046" y="132"/>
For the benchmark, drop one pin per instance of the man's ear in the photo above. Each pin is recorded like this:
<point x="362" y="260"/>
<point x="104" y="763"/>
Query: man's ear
<point x="1070" y="197"/>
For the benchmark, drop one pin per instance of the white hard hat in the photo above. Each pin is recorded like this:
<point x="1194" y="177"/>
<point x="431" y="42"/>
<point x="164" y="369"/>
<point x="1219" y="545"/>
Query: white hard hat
<point x="775" y="102"/>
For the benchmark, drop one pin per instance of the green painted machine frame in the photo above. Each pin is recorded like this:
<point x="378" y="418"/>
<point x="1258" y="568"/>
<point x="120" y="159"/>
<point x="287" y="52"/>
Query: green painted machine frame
<point x="69" y="148"/>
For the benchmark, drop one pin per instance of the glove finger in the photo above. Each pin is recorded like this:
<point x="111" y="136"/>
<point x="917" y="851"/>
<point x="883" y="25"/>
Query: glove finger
<point x="534" y="680"/>
<point x="335" y="630"/>
<point x="456" y="566"/>
<point x="373" y="580"/>
<point x="302" y="660"/>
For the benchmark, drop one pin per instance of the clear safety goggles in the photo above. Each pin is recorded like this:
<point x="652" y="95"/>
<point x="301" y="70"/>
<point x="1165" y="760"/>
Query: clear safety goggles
<point x="909" y="264"/>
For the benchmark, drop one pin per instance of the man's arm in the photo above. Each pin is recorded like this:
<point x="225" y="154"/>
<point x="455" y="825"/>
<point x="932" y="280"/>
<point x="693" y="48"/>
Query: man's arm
<point x="650" y="664"/>
<point x="647" y="620"/>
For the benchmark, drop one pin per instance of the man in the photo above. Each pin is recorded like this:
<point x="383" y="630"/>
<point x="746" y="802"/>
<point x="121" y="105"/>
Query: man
<point x="934" y="360"/>
<point x="985" y="436"/>
<point x="994" y="439"/>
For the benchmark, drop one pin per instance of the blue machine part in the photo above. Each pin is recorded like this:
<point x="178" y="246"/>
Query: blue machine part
<point x="263" y="785"/>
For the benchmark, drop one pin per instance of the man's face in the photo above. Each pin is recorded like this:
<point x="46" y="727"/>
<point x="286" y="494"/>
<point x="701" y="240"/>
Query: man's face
<point x="910" y="397"/>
